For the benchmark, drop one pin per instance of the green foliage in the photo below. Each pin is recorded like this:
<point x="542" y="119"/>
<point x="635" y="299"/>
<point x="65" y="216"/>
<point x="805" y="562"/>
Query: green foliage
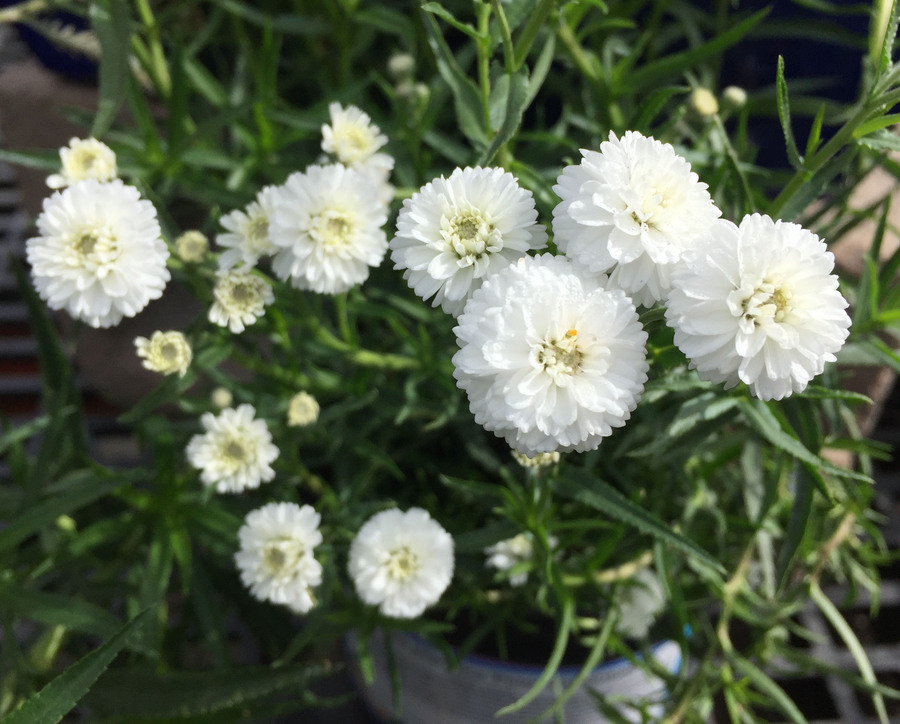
<point x="735" y="502"/>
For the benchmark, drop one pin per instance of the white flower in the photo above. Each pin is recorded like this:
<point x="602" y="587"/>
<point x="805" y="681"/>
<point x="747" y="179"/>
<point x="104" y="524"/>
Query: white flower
<point x="633" y="208"/>
<point x="98" y="253"/>
<point x="511" y="552"/>
<point x="191" y="246"/>
<point x="235" y="452"/>
<point x="352" y="137"/>
<point x="165" y="352"/>
<point x="240" y="297"/>
<point x="401" y="562"/>
<point x="639" y="603"/>
<point x="455" y="231"/>
<point x="84" y="158"/>
<point x="276" y="556"/>
<point x="550" y="360"/>
<point x="759" y="304"/>
<point x="327" y="227"/>
<point x="303" y="410"/>
<point x="247" y="238"/>
<point x="353" y="140"/>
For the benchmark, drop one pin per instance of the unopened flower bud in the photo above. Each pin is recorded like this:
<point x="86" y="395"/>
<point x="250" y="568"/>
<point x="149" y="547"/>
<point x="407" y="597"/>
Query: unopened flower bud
<point x="704" y="103"/>
<point x="191" y="246"/>
<point x="734" y="97"/>
<point x="401" y="66"/>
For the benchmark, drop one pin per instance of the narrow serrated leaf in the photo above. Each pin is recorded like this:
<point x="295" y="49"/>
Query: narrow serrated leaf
<point x="111" y="22"/>
<point x="597" y="494"/>
<point x="61" y="695"/>
<point x="784" y="116"/>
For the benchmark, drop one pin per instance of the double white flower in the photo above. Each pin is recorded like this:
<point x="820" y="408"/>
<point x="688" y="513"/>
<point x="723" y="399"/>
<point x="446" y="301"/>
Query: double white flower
<point x="549" y="359"/>
<point x="632" y="210"/>
<point x="276" y="558"/>
<point x="758" y="303"/>
<point x="326" y="225"/>
<point x="401" y="562"/>
<point x="235" y="452"/>
<point x="98" y="253"/>
<point x="456" y="231"/>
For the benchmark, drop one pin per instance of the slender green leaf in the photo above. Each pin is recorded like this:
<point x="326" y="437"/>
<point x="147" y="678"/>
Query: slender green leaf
<point x="784" y="115"/>
<point x="815" y="132"/>
<point x="448" y="17"/>
<point x="829" y="610"/>
<point x="111" y="21"/>
<point x="796" y="528"/>
<point x="29" y="521"/>
<point x="189" y="694"/>
<point x="767" y="686"/>
<point x="466" y="98"/>
<point x="662" y="72"/>
<point x="766" y="424"/>
<point x="559" y="649"/>
<point x="60" y="696"/>
<point x="58" y="610"/>
<point x="516" y="87"/>
<point x="597" y="494"/>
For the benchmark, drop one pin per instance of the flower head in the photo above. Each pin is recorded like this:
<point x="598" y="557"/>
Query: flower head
<point x="303" y="410"/>
<point x="549" y="359"/>
<point x="276" y="556"/>
<point x="235" y="452"/>
<point x="191" y="246"/>
<point x="327" y="227"/>
<point x="165" y="352"/>
<point x="98" y="254"/>
<point x="456" y="231"/>
<point x="401" y="562"/>
<point x="758" y="303"/>
<point x="351" y="137"/>
<point x="241" y="298"/>
<point x="639" y="603"/>
<point x="633" y="208"/>
<point x="247" y="232"/>
<point x="84" y="158"/>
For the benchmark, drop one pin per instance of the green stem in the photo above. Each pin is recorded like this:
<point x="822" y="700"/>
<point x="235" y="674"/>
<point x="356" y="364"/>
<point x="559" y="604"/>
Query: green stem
<point x="483" y="47"/>
<point x="532" y="28"/>
<point x="509" y="53"/>
<point x="158" y="68"/>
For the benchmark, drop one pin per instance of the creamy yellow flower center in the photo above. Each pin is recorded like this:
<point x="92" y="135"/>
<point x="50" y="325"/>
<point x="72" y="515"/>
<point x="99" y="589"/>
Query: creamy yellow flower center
<point x="560" y="357"/>
<point x="93" y="248"/>
<point x="242" y="292"/>
<point x="402" y="563"/>
<point x="280" y="556"/>
<point x="770" y="300"/>
<point x="470" y="235"/>
<point x="258" y="231"/>
<point x="234" y="451"/>
<point x="332" y="228"/>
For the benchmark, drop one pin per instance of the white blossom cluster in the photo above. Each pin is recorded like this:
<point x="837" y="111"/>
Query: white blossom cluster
<point x="401" y="562"/>
<point x="322" y="228"/>
<point x="552" y="355"/>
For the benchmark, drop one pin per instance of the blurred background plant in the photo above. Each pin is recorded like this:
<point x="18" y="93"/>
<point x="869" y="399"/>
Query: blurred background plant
<point x="732" y="501"/>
